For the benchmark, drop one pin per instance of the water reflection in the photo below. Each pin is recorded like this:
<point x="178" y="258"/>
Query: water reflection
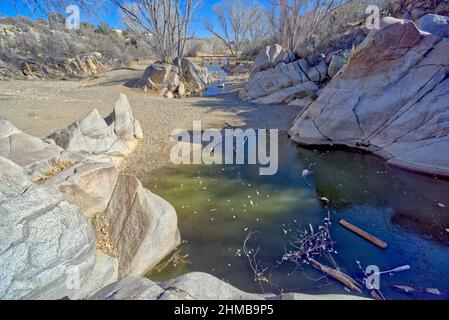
<point x="218" y="205"/>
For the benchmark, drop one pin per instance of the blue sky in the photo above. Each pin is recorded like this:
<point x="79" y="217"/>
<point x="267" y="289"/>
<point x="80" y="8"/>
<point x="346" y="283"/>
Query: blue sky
<point x="110" y="15"/>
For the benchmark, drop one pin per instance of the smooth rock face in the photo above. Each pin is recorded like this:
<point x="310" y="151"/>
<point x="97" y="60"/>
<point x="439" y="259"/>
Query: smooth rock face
<point x="190" y="286"/>
<point x="273" y="83"/>
<point x="270" y="57"/>
<point x="104" y="273"/>
<point x="203" y="286"/>
<point x="132" y="288"/>
<point x="434" y="24"/>
<point x="195" y="286"/>
<point x="287" y="95"/>
<point x="31" y="153"/>
<point x="88" y="185"/>
<point x="390" y="99"/>
<point x="13" y="179"/>
<point x="143" y="226"/>
<point x="42" y="239"/>
<point x="102" y="140"/>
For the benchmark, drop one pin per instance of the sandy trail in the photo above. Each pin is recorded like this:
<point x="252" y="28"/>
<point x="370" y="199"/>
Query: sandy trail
<point x="40" y="107"/>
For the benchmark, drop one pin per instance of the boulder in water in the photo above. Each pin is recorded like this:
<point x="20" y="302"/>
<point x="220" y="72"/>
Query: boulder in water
<point x="390" y="99"/>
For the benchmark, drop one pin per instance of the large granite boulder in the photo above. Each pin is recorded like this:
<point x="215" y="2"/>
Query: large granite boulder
<point x="158" y="76"/>
<point x="143" y="226"/>
<point x="183" y="77"/>
<point x="43" y="241"/>
<point x="277" y="73"/>
<point x="270" y="56"/>
<point x="203" y="286"/>
<point x="434" y="24"/>
<point x="194" y="78"/>
<point x="190" y="286"/>
<point x="31" y="153"/>
<point x="106" y="140"/>
<point x="391" y="99"/>
<point x="195" y="286"/>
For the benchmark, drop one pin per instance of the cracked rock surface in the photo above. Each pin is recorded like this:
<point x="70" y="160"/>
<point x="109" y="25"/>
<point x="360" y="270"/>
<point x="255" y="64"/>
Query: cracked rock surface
<point x="391" y="99"/>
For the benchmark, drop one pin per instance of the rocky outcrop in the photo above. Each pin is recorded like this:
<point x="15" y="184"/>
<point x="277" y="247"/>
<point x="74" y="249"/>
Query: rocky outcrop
<point x="195" y="286"/>
<point x="181" y="78"/>
<point x="391" y="99"/>
<point x="47" y="241"/>
<point x="78" y="66"/>
<point x="86" y="65"/>
<point x="31" y="153"/>
<point x="279" y="76"/>
<point x="42" y="239"/>
<point x="142" y="225"/>
<point x="102" y="140"/>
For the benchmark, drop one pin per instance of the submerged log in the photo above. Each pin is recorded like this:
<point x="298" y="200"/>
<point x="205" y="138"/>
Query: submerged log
<point x="364" y="234"/>
<point x="337" y="275"/>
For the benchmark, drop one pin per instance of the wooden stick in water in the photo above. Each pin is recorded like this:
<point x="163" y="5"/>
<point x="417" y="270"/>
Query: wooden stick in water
<point x="364" y="234"/>
<point x="337" y="275"/>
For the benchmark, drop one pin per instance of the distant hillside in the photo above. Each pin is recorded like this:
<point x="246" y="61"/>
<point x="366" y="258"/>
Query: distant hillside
<point x="45" y="49"/>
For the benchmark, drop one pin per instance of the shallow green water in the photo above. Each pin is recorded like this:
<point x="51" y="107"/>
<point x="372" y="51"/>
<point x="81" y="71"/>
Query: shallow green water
<point x="218" y="206"/>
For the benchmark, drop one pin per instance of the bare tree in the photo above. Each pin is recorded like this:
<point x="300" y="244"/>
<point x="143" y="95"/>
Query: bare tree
<point x="294" y="21"/>
<point x="165" y="22"/>
<point x="239" y="22"/>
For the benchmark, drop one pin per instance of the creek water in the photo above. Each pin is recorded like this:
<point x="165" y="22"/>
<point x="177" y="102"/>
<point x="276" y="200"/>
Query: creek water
<point x="219" y="74"/>
<point x="218" y="205"/>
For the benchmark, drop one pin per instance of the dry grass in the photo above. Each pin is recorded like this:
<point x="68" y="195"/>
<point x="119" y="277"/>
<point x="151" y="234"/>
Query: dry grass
<point x="53" y="171"/>
<point x="103" y="238"/>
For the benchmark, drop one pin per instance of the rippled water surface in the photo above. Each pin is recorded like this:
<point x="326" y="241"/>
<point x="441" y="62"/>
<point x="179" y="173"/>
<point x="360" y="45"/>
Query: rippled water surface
<point x="218" y="206"/>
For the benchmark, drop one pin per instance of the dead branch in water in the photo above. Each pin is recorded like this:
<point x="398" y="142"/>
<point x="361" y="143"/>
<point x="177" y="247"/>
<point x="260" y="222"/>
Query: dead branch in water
<point x="311" y="244"/>
<point x="255" y="266"/>
<point x="176" y="258"/>
<point x="337" y="275"/>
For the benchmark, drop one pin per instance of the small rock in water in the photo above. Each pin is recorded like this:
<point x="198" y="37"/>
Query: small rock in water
<point x="306" y="172"/>
<point x="434" y="291"/>
<point x="405" y="289"/>
<point x="324" y="200"/>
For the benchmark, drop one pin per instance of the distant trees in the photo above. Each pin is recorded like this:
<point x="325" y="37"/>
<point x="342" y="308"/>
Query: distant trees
<point x="239" y="23"/>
